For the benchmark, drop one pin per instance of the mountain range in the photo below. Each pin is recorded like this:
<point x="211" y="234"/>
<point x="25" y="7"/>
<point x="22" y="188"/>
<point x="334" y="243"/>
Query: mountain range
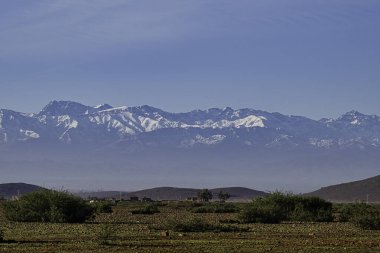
<point x="69" y="122"/>
<point x="71" y="144"/>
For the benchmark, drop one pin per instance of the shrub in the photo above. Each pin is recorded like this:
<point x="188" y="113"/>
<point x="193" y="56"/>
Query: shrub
<point x="311" y="209"/>
<point x="277" y="207"/>
<point x="48" y="206"/>
<point x="348" y="211"/>
<point x="102" y="207"/>
<point x="368" y="220"/>
<point x="149" y="209"/>
<point x="262" y="212"/>
<point x="360" y="214"/>
<point x="2" y="235"/>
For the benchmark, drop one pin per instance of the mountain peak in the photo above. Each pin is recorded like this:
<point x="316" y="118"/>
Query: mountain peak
<point x="352" y="116"/>
<point x="228" y="109"/>
<point x="354" y="113"/>
<point x="356" y="118"/>
<point x="56" y="108"/>
<point x="145" y="109"/>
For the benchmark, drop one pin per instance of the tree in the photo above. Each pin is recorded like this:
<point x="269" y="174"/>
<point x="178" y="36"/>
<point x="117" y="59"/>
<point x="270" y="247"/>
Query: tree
<point x="223" y="196"/>
<point x="205" y="195"/>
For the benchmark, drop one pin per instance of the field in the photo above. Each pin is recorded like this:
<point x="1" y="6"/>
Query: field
<point x="122" y="231"/>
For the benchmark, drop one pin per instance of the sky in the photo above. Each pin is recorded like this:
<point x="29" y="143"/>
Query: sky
<point x="316" y="58"/>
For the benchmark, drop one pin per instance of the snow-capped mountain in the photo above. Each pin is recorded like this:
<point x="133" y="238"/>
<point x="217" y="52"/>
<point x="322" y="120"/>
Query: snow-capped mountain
<point x="71" y="144"/>
<point x="73" y="123"/>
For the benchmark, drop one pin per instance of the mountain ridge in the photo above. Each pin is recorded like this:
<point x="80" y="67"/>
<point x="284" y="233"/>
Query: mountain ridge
<point x="70" y="122"/>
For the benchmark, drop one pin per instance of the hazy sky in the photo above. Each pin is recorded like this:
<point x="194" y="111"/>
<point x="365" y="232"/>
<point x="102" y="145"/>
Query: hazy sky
<point x="306" y="57"/>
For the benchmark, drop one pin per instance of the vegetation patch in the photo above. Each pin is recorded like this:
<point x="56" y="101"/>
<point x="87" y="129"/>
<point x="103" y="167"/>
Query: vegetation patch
<point x="122" y="231"/>
<point x="277" y="207"/>
<point x="48" y="206"/>
<point x="368" y="220"/>
<point x="362" y="215"/>
<point x="102" y="206"/>
<point x="149" y="209"/>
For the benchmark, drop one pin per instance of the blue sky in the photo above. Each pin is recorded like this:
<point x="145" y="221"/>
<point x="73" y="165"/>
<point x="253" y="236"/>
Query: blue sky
<point x="306" y="57"/>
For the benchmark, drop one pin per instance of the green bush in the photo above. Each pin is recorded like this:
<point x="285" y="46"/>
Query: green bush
<point x="360" y="214"/>
<point x="262" y="212"/>
<point x="2" y="235"/>
<point x="102" y="207"/>
<point x="368" y="220"/>
<point x="48" y="206"/>
<point x="277" y="207"/>
<point x="311" y="209"/>
<point x="347" y="212"/>
<point x="149" y="209"/>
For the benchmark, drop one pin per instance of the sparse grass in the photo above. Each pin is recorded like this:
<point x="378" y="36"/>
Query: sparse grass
<point x="143" y="233"/>
<point x="216" y="208"/>
<point x="106" y="234"/>
<point x="200" y="225"/>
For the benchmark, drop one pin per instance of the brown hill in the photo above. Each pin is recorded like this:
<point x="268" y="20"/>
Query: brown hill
<point x="362" y="190"/>
<point x="17" y="189"/>
<point x="173" y="193"/>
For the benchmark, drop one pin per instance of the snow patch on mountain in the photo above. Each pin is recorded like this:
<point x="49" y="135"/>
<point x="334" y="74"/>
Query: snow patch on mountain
<point x="199" y="139"/>
<point x="103" y="107"/>
<point x="29" y="134"/>
<point x="321" y="143"/>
